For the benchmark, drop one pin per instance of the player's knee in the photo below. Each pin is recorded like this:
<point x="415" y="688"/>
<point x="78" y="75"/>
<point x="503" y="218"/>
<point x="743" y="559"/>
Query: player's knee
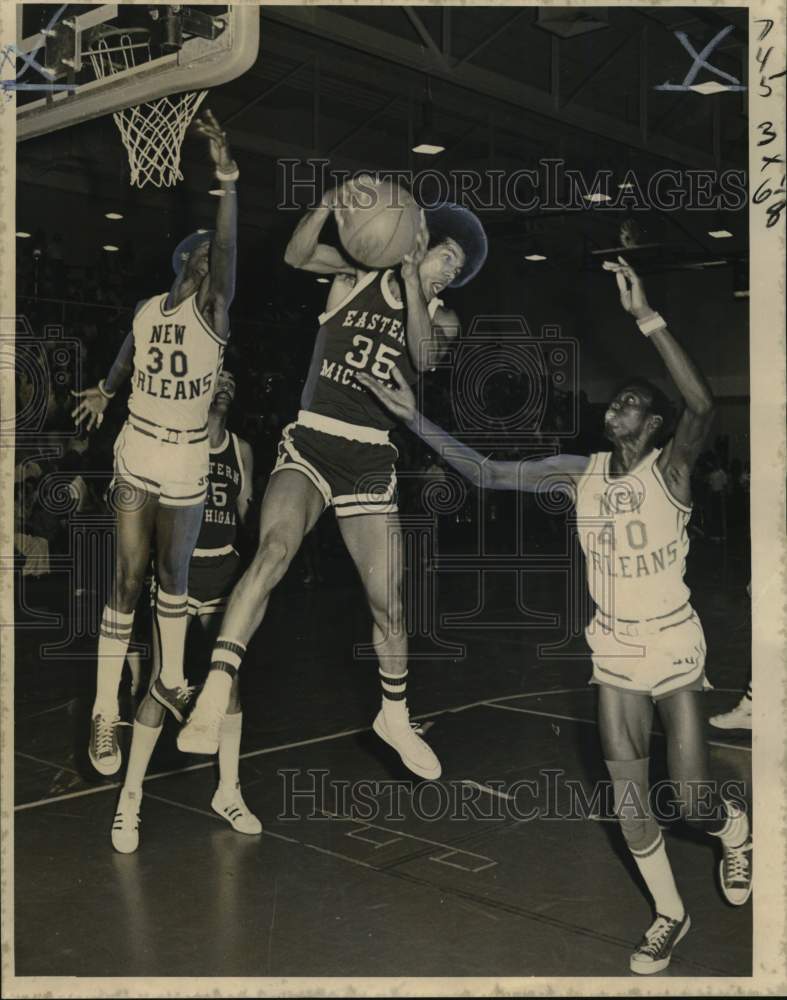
<point x="172" y="579"/>
<point x="128" y="586"/>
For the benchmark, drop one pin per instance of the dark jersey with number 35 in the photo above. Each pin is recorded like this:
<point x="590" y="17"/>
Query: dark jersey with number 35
<point x="366" y="333"/>
<point x="220" y="515"/>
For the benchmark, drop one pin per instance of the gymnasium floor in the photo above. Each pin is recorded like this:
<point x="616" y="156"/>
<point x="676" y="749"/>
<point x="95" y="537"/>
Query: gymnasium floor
<point x="486" y="894"/>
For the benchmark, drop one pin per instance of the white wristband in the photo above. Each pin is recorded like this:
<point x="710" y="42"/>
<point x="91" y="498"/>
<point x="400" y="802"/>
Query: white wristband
<point x="104" y="391"/>
<point x="651" y="324"/>
<point x="230" y="175"/>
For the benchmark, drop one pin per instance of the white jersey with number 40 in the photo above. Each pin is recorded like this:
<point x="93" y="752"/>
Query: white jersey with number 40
<point x="176" y="360"/>
<point x="633" y="533"/>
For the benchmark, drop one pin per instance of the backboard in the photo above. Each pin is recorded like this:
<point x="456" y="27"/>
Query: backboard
<point x="176" y="49"/>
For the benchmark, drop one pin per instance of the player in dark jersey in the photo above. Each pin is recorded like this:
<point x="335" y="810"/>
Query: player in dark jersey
<point x="213" y="570"/>
<point x="173" y="355"/>
<point x="633" y="498"/>
<point x="337" y="453"/>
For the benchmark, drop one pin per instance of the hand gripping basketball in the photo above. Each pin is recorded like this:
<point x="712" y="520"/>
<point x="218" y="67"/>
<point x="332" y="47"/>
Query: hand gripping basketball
<point x="378" y="221"/>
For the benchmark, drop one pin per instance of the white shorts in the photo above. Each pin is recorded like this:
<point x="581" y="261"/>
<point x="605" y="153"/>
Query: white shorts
<point x="174" y="472"/>
<point x="655" y="658"/>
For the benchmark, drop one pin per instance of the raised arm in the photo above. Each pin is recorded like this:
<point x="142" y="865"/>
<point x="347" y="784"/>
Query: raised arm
<point x="220" y="290"/>
<point x="305" y="251"/>
<point x="542" y="475"/>
<point x="681" y="453"/>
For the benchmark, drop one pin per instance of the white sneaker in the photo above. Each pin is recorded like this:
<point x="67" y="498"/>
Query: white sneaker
<point x="654" y="951"/>
<point x="200" y="733"/>
<point x="125" y="826"/>
<point x="231" y="806"/>
<point x="738" y="718"/>
<point x="103" y="749"/>
<point x="416" y="753"/>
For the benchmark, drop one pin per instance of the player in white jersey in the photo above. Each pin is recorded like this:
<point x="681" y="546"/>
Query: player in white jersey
<point x="632" y="507"/>
<point x="173" y="356"/>
<point x="214" y="567"/>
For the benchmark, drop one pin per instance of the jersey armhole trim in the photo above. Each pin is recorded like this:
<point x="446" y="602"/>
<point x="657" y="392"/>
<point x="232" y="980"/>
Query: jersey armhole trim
<point x="366" y="280"/>
<point x="583" y="479"/>
<point x="388" y="294"/>
<point x="204" y="324"/>
<point x="660" y="480"/>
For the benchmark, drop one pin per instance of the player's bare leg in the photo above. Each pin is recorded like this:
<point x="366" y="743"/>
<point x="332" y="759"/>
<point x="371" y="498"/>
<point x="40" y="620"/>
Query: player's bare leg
<point x="625" y="720"/>
<point x="374" y="542"/>
<point x="687" y="761"/>
<point x="136" y="515"/>
<point x="290" y="509"/>
<point x="177" y="530"/>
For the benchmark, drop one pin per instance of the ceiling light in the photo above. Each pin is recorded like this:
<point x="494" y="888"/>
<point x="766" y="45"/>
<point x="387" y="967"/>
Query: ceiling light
<point x="200" y="231"/>
<point x="323" y="281"/>
<point x="535" y="256"/>
<point x="711" y="87"/>
<point x="23" y="235"/>
<point x="720" y="234"/>
<point x="427" y="142"/>
<point x="112" y="215"/>
<point x="217" y="192"/>
<point x="596" y="197"/>
<point x="111" y="247"/>
<point x="428" y="149"/>
<point x="626" y="186"/>
<point x="567" y="22"/>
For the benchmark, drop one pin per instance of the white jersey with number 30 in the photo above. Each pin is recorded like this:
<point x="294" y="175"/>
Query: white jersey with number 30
<point x="633" y="534"/>
<point x="176" y="360"/>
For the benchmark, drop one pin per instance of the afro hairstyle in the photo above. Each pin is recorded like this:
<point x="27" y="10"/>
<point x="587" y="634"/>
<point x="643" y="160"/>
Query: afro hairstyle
<point x="450" y="221"/>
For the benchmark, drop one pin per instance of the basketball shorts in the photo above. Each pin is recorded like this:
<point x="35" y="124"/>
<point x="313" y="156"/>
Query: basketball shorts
<point x="655" y="658"/>
<point x="352" y="467"/>
<point x="175" y="472"/>
<point x="211" y="579"/>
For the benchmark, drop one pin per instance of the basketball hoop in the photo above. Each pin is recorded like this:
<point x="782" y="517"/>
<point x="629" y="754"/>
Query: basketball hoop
<point x="152" y="132"/>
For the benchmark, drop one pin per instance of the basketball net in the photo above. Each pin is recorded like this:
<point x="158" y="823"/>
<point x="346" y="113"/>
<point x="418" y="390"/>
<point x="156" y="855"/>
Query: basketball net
<point x="153" y="132"/>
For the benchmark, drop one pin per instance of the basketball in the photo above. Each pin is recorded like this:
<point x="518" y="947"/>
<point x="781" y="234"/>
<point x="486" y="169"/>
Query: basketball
<point x="380" y="225"/>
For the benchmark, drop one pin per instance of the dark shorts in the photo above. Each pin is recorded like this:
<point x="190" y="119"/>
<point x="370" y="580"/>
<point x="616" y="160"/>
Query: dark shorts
<point x="211" y="579"/>
<point x="353" y="476"/>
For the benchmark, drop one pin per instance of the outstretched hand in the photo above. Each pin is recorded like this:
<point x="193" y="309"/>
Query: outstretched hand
<point x="92" y="404"/>
<point x="412" y="261"/>
<point x="632" y="294"/>
<point x="400" y="401"/>
<point x="208" y="126"/>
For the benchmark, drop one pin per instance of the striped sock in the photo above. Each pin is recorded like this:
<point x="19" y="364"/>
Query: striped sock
<point x="229" y="751"/>
<point x="172" y="619"/>
<point x="114" y="637"/>
<point x="224" y="665"/>
<point x="655" y="869"/>
<point x="394" y="692"/>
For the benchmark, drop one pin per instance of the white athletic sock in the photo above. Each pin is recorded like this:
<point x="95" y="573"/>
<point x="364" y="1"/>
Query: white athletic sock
<point x="656" y="870"/>
<point x="113" y="640"/>
<point x="143" y="743"/>
<point x="229" y="751"/>
<point x="172" y="618"/>
<point x="224" y="664"/>
<point x="394" y="702"/>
